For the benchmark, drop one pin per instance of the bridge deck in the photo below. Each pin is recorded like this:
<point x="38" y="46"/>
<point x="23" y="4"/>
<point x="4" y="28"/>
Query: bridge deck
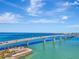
<point x="27" y="39"/>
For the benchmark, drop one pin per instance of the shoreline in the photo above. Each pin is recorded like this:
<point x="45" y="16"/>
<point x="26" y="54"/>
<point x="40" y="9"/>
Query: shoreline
<point x="15" y="53"/>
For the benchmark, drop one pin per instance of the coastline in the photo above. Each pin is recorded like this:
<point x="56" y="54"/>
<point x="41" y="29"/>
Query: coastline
<point x="15" y="53"/>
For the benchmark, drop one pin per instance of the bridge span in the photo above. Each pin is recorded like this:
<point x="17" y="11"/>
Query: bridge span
<point x="28" y="39"/>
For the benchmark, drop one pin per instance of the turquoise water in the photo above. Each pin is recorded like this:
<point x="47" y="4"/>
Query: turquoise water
<point x="66" y="49"/>
<point x="61" y="49"/>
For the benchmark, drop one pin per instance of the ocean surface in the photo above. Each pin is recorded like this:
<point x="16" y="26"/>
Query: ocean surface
<point x="62" y="49"/>
<point x="66" y="49"/>
<point x="16" y="36"/>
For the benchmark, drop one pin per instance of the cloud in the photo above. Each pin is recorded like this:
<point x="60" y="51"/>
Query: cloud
<point x="10" y="18"/>
<point x="76" y="2"/>
<point x="34" y="8"/>
<point x="53" y="21"/>
<point x="65" y="5"/>
<point x="64" y="17"/>
<point x="43" y="21"/>
<point x="62" y="6"/>
<point x="57" y="10"/>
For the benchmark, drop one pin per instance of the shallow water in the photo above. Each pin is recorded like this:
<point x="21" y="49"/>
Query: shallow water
<point x="61" y="49"/>
<point x="68" y="49"/>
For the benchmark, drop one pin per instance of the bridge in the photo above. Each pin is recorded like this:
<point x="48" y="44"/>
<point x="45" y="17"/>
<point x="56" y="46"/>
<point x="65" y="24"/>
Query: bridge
<point x="3" y="45"/>
<point x="28" y="39"/>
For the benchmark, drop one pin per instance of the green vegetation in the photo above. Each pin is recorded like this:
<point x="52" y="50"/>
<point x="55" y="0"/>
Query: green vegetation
<point x="6" y="53"/>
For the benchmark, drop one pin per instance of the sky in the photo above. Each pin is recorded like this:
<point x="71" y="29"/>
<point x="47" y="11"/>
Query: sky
<point x="39" y="16"/>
